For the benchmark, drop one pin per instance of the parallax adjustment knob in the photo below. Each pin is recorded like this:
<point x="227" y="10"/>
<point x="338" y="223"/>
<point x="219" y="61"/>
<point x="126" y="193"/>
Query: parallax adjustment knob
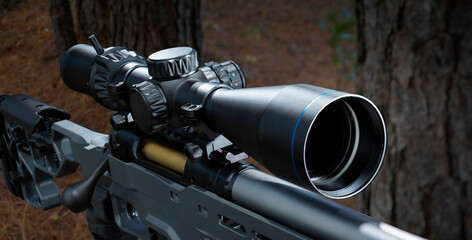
<point x="172" y="63"/>
<point x="148" y="107"/>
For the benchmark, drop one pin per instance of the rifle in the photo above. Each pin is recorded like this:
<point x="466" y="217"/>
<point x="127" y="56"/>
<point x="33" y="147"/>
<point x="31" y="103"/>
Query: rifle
<point x="173" y="165"/>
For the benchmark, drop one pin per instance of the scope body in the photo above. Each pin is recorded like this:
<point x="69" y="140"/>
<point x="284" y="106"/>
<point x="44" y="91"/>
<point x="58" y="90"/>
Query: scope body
<point x="324" y="140"/>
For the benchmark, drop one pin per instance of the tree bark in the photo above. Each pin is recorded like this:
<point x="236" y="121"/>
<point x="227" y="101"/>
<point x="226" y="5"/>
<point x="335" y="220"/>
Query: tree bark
<point x="146" y="26"/>
<point x="415" y="62"/>
<point x="93" y="17"/>
<point x="63" y="26"/>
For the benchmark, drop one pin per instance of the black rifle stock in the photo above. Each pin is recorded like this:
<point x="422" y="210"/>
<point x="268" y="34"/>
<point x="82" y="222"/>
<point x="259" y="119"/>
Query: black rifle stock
<point x="173" y="165"/>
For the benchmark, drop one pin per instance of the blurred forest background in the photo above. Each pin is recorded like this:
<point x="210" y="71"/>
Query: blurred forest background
<point x="414" y="59"/>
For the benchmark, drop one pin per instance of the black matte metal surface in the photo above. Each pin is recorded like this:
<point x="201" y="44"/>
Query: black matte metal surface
<point x="75" y="67"/>
<point x="273" y="125"/>
<point x="297" y="208"/>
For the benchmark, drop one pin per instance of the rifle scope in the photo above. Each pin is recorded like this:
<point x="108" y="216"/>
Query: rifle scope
<point x="330" y="141"/>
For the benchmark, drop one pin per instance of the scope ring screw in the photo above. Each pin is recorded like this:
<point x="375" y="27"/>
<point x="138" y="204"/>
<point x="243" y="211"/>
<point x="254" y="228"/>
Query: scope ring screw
<point x="191" y="111"/>
<point x="193" y="152"/>
<point x="118" y="121"/>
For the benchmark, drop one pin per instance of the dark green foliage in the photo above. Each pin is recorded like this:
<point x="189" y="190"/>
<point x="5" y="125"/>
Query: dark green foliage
<point x="341" y="27"/>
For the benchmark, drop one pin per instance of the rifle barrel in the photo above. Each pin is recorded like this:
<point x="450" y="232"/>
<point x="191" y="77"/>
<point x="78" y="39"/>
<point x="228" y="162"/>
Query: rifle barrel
<point x="307" y="212"/>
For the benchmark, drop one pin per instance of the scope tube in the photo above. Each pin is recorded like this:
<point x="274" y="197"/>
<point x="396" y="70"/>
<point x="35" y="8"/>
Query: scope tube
<point x="306" y="212"/>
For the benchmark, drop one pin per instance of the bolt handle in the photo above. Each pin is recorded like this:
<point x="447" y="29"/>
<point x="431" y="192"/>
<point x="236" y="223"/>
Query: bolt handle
<point x="76" y="197"/>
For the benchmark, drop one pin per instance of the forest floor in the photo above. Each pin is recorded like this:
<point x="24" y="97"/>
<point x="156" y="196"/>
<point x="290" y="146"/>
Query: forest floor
<point x="275" y="42"/>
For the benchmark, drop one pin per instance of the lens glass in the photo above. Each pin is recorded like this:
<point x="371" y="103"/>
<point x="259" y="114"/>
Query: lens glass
<point x="331" y="143"/>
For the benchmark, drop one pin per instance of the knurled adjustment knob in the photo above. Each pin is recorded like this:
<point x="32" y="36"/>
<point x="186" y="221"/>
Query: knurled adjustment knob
<point x="172" y="63"/>
<point x="148" y="107"/>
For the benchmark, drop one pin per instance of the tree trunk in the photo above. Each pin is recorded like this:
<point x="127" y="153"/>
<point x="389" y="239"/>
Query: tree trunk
<point x="93" y="17"/>
<point x="415" y="62"/>
<point x="63" y="26"/>
<point x="146" y="26"/>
